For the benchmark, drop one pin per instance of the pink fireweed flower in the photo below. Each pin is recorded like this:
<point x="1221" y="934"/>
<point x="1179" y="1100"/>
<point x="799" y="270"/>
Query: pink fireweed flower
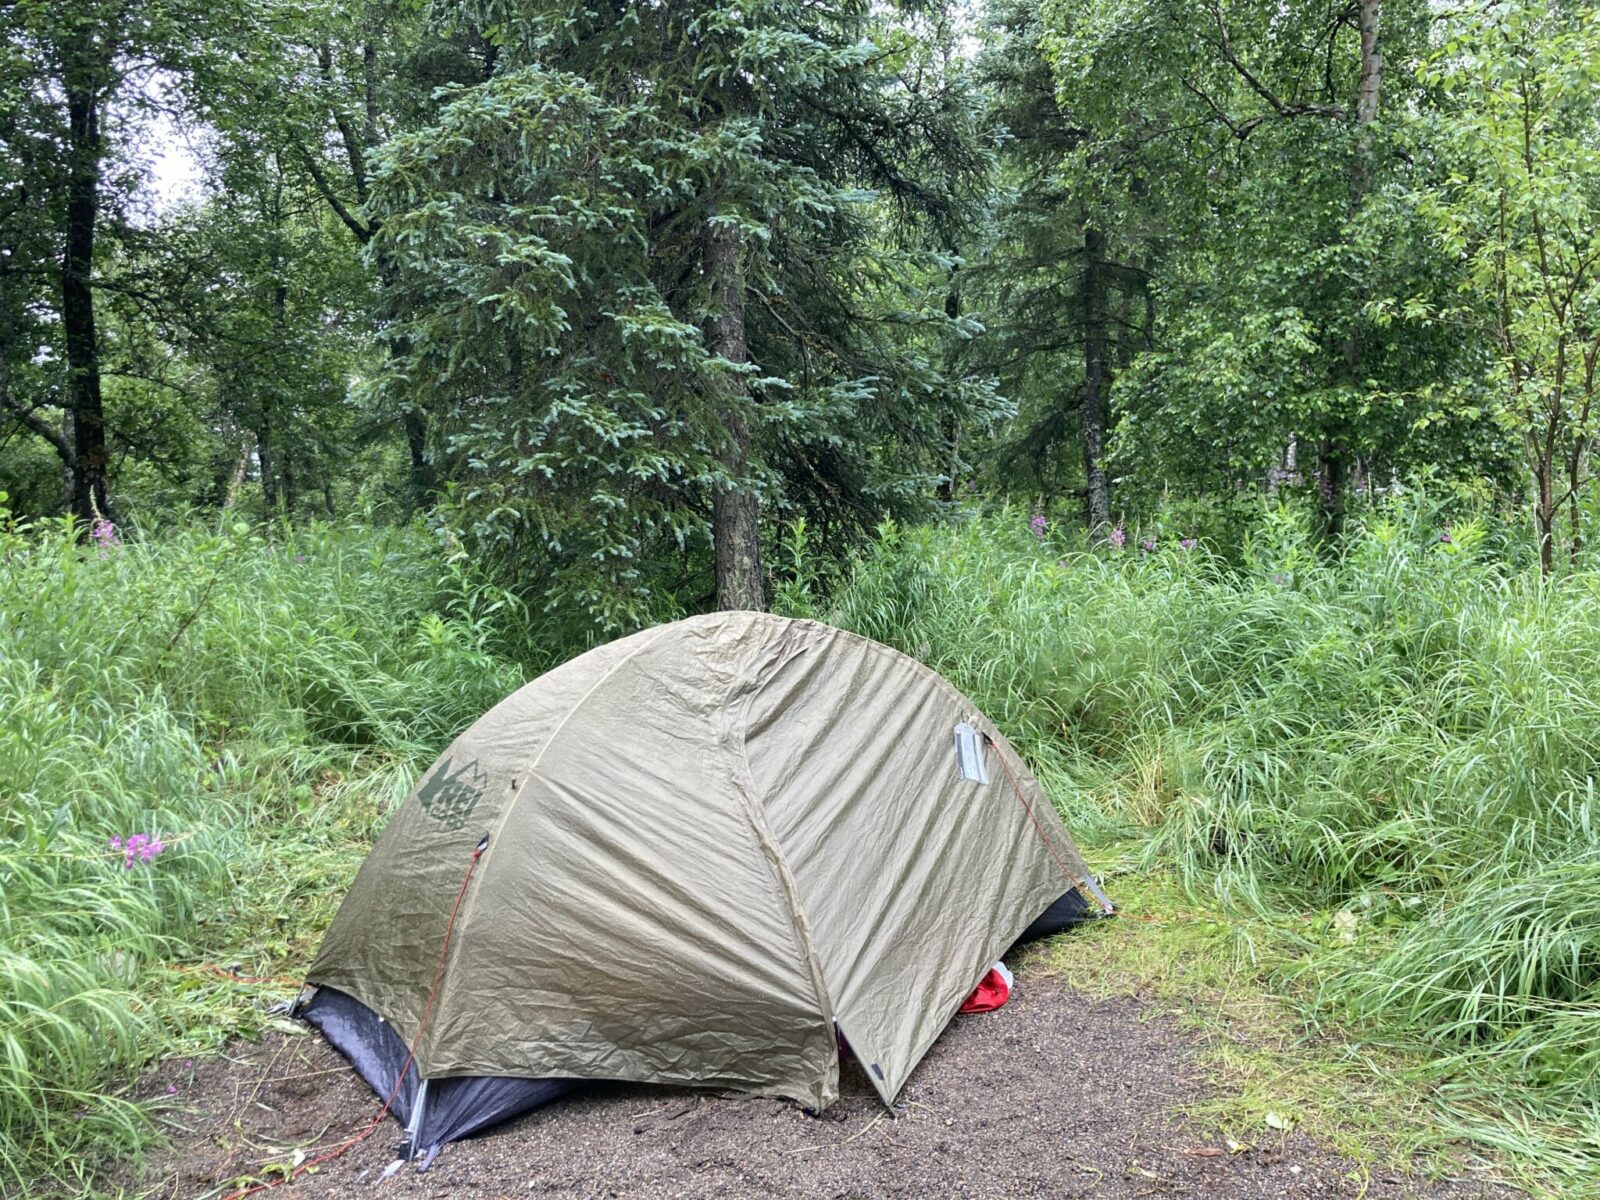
<point x="1037" y="525"/>
<point x="1148" y="545"/>
<point x="137" y="847"/>
<point x="1118" y="537"/>
<point x="105" y="536"/>
<point x="1186" y="543"/>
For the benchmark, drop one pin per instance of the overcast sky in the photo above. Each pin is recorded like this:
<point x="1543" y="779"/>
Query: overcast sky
<point x="155" y="140"/>
<point x="174" y="169"/>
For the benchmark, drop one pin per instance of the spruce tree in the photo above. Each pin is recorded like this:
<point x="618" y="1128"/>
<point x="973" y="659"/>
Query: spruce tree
<point x="671" y="274"/>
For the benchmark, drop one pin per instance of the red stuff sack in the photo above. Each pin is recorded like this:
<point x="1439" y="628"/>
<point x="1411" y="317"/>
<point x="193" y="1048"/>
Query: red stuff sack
<point x="993" y="990"/>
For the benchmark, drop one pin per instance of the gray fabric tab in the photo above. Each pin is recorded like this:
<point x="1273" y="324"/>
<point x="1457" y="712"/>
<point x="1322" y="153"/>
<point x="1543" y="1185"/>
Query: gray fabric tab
<point x="969" y="754"/>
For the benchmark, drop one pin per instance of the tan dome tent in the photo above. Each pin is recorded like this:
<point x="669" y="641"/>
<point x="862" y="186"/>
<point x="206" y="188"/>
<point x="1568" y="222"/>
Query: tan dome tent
<point x="713" y="849"/>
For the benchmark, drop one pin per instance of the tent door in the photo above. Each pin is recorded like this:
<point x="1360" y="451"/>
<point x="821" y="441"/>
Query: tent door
<point x="881" y="1083"/>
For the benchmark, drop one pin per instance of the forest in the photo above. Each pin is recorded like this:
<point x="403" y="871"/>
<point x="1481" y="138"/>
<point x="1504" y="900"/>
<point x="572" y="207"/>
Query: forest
<point x="1205" y="388"/>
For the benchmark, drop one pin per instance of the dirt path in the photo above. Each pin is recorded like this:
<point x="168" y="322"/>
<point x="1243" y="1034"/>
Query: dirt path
<point x="1055" y="1095"/>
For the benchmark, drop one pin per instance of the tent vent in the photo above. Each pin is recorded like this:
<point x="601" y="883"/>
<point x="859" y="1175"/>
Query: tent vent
<point x="969" y="754"/>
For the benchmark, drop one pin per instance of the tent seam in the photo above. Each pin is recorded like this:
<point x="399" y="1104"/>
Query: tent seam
<point x="821" y="635"/>
<point x="736" y="748"/>
<point x="516" y="798"/>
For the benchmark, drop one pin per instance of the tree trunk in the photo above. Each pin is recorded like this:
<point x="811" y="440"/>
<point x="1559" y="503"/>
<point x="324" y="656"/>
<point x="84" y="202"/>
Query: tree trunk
<point x="421" y="481"/>
<point x="736" y="513"/>
<point x="286" y="481"/>
<point x="1333" y="478"/>
<point x="1576" y="454"/>
<point x="235" y="480"/>
<point x="279" y="481"/>
<point x="1575" y="519"/>
<point x="269" y="466"/>
<point x="1546" y="516"/>
<point x="1371" y="63"/>
<point x="1097" y="490"/>
<point x="90" y="460"/>
<point x="421" y="478"/>
<point x="949" y="424"/>
<point x="1333" y="450"/>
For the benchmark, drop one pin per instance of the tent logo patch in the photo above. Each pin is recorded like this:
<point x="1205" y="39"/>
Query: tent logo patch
<point x="450" y="796"/>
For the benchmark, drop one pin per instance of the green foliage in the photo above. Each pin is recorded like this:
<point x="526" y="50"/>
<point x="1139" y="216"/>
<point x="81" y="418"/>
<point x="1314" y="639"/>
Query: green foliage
<point x="255" y="700"/>
<point x="548" y="236"/>
<point x="1064" y="271"/>
<point x="1266" y="234"/>
<point x="279" y="350"/>
<point x="464" y="243"/>
<point x="1399" y="742"/>
<point x="1518" y="201"/>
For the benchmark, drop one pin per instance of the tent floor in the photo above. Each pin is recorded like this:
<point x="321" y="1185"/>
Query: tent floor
<point x="1055" y="1095"/>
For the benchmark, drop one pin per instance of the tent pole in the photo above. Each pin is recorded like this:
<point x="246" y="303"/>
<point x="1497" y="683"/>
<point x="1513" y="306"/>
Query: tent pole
<point x="414" y="1126"/>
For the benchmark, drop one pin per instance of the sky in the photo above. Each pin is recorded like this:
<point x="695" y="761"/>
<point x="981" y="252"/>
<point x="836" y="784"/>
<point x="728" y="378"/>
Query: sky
<point x="165" y="148"/>
<point x="175" y="172"/>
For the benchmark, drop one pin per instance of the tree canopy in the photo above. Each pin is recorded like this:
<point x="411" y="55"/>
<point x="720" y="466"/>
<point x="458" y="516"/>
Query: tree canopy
<point x="614" y="295"/>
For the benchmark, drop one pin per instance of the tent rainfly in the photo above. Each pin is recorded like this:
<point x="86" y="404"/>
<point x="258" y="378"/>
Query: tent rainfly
<point x="710" y="853"/>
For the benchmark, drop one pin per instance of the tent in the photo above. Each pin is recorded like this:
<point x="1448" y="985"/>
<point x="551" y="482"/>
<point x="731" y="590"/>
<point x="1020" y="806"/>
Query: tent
<point x="712" y="853"/>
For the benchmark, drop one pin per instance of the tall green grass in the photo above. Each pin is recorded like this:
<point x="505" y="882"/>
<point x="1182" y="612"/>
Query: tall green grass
<point x="255" y="699"/>
<point x="1402" y="744"/>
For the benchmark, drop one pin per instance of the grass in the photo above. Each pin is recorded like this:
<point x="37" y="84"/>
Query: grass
<point x="1358" y="794"/>
<point x="256" y="699"/>
<point x="1399" y="747"/>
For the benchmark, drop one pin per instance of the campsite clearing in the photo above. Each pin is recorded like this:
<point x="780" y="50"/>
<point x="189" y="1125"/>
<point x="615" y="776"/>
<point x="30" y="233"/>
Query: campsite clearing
<point x="1058" y="1094"/>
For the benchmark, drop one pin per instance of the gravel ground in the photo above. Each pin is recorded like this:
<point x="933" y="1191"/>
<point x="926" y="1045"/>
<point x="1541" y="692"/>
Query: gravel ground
<point x="1055" y="1095"/>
